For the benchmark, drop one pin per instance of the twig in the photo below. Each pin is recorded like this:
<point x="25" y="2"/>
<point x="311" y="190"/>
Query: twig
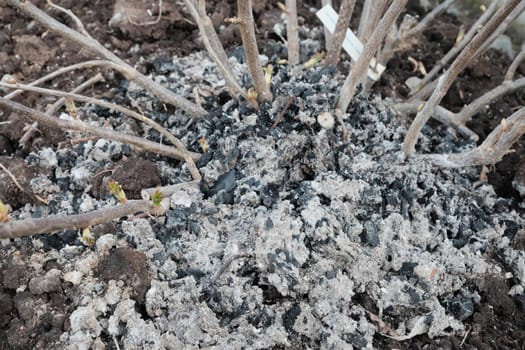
<point x="504" y="88"/>
<point x="56" y="106"/>
<point x="247" y="27"/>
<point x="292" y="32"/>
<point x="515" y="63"/>
<point x="175" y="141"/>
<point x="13" y="178"/>
<point x="98" y="49"/>
<point x="27" y="227"/>
<point x="63" y="70"/>
<point x="167" y="191"/>
<point x="327" y="34"/>
<point x="343" y="21"/>
<point x="344" y="130"/>
<point x="418" y="28"/>
<point x="493" y="149"/>
<point x="91" y="81"/>
<point x="501" y="28"/>
<point x="359" y="70"/>
<point x="280" y="116"/>
<point x="404" y="37"/>
<point x="213" y="45"/>
<point x="116" y="342"/>
<point x="425" y="88"/>
<point x="441" y="114"/>
<point x="458" y="120"/>
<point x="446" y="80"/>
<point x="78" y="22"/>
<point x="465" y="337"/>
<point x="371" y="14"/>
<point x="77" y="125"/>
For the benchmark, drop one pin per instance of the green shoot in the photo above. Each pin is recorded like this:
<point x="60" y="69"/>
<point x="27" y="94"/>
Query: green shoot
<point x="116" y="190"/>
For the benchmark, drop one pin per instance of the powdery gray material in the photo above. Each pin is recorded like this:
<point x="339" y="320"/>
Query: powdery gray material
<point x="50" y="282"/>
<point x="280" y="252"/>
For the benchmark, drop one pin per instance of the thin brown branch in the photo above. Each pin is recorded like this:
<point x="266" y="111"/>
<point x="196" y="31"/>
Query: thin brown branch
<point x="446" y="80"/>
<point x="458" y="120"/>
<point x="501" y="28"/>
<point x="13" y="178"/>
<point x="515" y="64"/>
<point x="175" y="141"/>
<point x="104" y="104"/>
<point x="492" y="150"/>
<point x="247" y="27"/>
<point x="506" y="87"/>
<point x="327" y="34"/>
<point x="292" y="32"/>
<point x="281" y="114"/>
<point x="359" y="70"/>
<point x="441" y="114"/>
<point x="28" y="134"/>
<point x="167" y="191"/>
<point x="371" y="14"/>
<point x="404" y="37"/>
<point x="77" y="125"/>
<point x="63" y="70"/>
<point x="98" y="49"/>
<point x="343" y="21"/>
<point x="425" y="85"/>
<point x="429" y="18"/>
<point x="28" y="227"/>
<point x="213" y="45"/>
<point x="78" y="22"/>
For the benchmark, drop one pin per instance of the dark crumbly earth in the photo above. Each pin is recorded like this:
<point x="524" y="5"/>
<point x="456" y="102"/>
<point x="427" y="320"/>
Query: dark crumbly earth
<point x="294" y="239"/>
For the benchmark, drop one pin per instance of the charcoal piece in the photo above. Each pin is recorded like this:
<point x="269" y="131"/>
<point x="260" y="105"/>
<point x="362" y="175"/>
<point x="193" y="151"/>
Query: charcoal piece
<point x="290" y="317"/>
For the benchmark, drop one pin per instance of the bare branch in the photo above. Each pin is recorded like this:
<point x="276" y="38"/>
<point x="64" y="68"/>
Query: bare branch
<point x="78" y="22"/>
<point x="77" y="125"/>
<point x="429" y="17"/>
<point x="214" y="47"/>
<point x="492" y="150"/>
<point x="371" y="14"/>
<point x="458" y="120"/>
<point x="359" y="70"/>
<point x="327" y="34"/>
<point x="425" y="89"/>
<point x="515" y="64"/>
<point x="56" y="106"/>
<point x="28" y="227"/>
<point x="101" y="103"/>
<point x="446" y="80"/>
<point x="175" y="141"/>
<point x="501" y="28"/>
<point x="13" y="178"/>
<point x="504" y="88"/>
<point x="343" y="21"/>
<point x="63" y="70"/>
<point x="292" y="32"/>
<point x="247" y="27"/>
<point x="95" y="47"/>
<point x="440" y="114"/>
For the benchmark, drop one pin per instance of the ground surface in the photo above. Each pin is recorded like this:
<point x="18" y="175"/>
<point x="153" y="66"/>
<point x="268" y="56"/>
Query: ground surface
<point x="294" y="240"/>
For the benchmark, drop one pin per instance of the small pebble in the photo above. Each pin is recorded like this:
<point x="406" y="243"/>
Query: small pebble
<point x="326" y="120"/>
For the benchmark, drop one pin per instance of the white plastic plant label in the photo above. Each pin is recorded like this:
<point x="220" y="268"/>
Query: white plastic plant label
<point x="351" y="44"/>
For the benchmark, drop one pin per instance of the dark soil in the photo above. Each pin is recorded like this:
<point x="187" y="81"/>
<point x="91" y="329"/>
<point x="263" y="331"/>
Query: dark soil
<point x="29" y="52"/>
